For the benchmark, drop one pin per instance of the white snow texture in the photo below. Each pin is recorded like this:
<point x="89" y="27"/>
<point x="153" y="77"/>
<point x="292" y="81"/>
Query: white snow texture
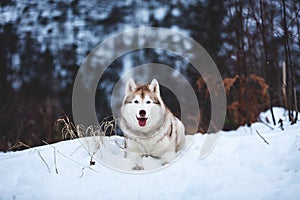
<point x="241" y="166"/>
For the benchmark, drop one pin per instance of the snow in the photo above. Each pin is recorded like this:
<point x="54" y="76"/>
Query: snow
<point x="176" y="12"/>
<point x="241" y="166"/>
<point x="160" y="13"/>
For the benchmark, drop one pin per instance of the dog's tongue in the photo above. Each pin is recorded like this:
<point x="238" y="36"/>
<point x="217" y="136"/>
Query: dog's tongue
<point x="142" y="121"/>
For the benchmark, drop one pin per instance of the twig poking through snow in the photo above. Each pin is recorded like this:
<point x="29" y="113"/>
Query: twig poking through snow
<point x="56" y="170"/>
<point x="76" y="150"/>
<point x="54" y="154"/>
<point x="259" y="120"/>
<point x="281" y="124"/>
<point x="262" y="137"/>
<point x="40" y="155"/>
<point x="82" y="171"/>
<point x="67" y="157"/>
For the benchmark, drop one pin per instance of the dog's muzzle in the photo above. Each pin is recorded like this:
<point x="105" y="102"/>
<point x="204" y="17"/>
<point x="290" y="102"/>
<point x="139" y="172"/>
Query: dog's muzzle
<point x="142" y="120"/>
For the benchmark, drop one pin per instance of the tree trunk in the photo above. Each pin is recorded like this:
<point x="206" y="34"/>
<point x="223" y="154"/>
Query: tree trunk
<point x="266" y="57"/>
<point x="287" y="60"/>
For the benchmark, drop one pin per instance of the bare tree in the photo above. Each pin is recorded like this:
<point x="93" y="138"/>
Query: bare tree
<point x="290" y="75"/>
<point x="262" y="25"/>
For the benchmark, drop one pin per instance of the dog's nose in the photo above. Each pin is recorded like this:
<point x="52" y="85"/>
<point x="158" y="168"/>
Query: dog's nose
<point x="142" y="113"/>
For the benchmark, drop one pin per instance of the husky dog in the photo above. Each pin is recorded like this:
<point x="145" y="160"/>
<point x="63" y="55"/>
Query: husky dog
<point x="149" y="126"/>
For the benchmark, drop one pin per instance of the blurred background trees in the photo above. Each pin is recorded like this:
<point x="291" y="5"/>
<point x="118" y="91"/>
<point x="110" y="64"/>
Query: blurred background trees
<point x="43" y="43"/>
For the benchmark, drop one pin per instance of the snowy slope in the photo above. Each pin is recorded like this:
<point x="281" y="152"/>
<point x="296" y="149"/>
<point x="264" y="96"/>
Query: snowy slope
<point x="241" y="166"/>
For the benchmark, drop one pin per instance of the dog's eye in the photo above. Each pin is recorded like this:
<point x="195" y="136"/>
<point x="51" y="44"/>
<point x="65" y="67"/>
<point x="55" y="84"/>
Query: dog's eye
<point x="148" y="102"/>
<point x="136" y="101"/>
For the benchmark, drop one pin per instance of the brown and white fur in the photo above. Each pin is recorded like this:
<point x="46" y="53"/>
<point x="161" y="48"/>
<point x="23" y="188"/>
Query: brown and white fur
<point x="149" y="126"/>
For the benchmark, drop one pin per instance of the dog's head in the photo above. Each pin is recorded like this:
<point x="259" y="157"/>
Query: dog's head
<point x="142" y="108"/>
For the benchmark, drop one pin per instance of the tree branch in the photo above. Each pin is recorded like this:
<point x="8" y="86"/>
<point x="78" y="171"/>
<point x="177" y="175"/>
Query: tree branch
<point x="262" y="137"/>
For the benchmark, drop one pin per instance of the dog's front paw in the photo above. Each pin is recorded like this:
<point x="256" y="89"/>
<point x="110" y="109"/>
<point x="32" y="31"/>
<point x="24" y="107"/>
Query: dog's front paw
<point x="167" y="158"/>
<point x="138" y="168"/>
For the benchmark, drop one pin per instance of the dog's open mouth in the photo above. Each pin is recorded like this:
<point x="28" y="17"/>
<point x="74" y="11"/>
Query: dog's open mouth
<point x="142" y="121"/>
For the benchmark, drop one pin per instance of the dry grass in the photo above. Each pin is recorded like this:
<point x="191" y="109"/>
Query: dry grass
<point x="19" y="145"/>
<point x="107" y="127"/>
<point x="67" y="130"/>
<point x="65" y="127"/>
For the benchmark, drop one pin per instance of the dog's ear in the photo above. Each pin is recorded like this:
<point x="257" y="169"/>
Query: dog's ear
<point x="130" y="86"/>
<point x="154" y="86"/>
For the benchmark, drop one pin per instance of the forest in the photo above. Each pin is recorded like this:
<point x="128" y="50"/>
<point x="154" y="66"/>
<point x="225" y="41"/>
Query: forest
<point x="255" y="45"/>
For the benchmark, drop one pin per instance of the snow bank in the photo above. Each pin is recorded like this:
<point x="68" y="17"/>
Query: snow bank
<point x="241" y="166"/>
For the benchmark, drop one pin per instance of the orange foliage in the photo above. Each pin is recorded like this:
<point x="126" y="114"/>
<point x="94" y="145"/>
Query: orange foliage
<point x="247" y="97"/>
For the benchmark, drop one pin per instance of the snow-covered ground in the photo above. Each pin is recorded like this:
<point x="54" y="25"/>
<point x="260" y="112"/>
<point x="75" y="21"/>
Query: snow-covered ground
<point x="241" y="166"/>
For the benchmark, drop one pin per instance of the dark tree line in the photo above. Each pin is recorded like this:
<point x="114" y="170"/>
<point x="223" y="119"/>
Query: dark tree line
<point x="261" y="36"/>
<point x="43" y="43"/>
